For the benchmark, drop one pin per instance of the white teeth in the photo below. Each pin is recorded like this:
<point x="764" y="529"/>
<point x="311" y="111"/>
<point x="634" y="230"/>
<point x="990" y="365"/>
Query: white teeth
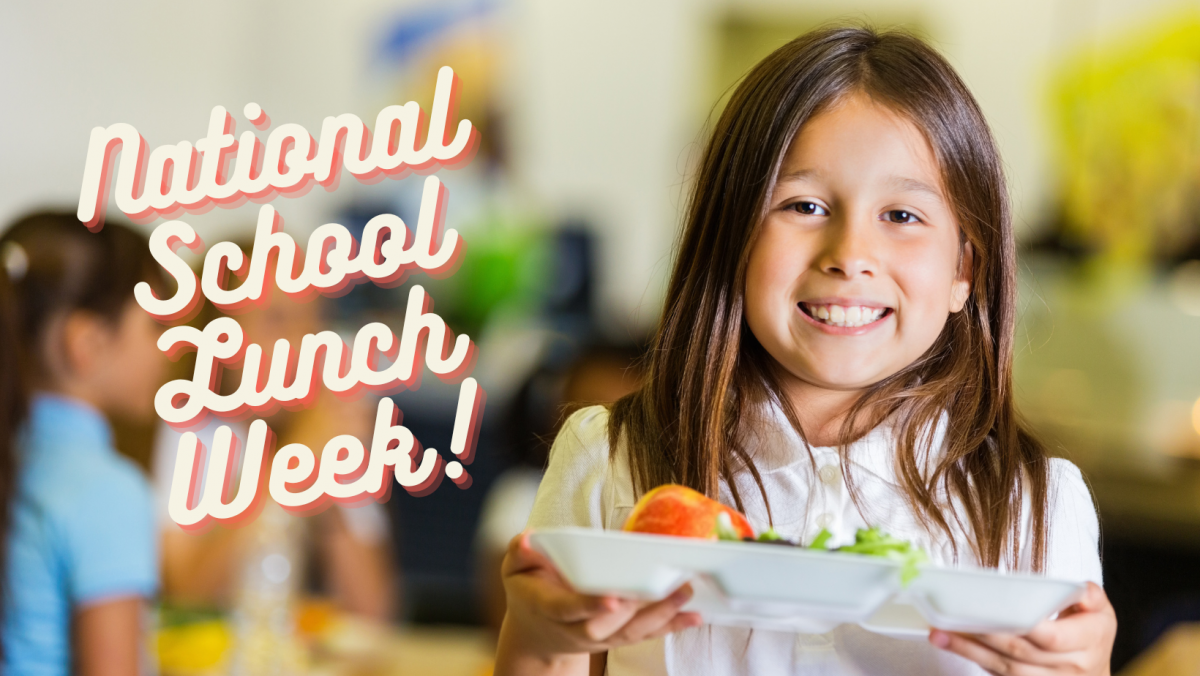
<point x="852" y="316"/>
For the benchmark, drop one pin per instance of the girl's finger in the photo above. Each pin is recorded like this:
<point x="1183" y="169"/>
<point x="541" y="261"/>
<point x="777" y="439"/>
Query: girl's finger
<point x="1093" y="599"/>
<point x="1091" y="621"/>
<point x="982" y="655"/>
<point x="566" y="606"/>
<point x="1016" y="648"/>
<point x="678" y="623"/>
<point x="600" y="629"/>
<point x="556" y="602"/>
<point x="549" y="598"/>
<point x="654" y="616"/>
<point x="522" y="557"/>
<point x="535" y="578"/>
<point x="1069" y="634"/>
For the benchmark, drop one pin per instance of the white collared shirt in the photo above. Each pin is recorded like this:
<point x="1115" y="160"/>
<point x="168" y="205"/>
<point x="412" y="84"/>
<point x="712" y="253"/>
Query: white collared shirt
<point x="583" y="488"/>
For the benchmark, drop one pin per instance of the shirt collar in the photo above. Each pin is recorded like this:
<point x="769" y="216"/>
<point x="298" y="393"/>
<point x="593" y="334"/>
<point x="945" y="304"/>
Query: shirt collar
<point x="775" y="445"/>
<point x="67" y="423"/>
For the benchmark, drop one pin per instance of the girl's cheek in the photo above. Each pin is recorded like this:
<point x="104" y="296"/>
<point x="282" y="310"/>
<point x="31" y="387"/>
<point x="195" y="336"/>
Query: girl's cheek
<point x="145" y="365"/>
<point x="155" y="361"/>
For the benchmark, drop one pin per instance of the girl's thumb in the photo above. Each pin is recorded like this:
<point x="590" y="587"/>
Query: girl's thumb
<point x="522" y="557"/>
<point x="1093" y="599"/>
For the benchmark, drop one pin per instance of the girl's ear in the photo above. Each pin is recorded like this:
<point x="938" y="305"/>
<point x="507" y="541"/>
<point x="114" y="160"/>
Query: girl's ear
<point x="84" y="338"/>
<point x="960" y="291"/>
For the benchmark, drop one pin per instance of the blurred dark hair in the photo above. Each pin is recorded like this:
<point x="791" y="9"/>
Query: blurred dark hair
<point x="13" y="399"/>
<point x="51" y="266"/>
<point x="554" y="391"/>
<point x="57" y="266"/>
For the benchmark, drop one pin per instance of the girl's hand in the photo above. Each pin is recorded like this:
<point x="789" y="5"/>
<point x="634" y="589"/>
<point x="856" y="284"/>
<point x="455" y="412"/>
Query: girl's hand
<point x="1080" y="641"/>
<point x="547" y="620"/>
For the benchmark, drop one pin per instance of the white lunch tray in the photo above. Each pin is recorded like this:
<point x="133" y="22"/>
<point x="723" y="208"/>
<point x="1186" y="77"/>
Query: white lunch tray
<point x="792" y="588"/>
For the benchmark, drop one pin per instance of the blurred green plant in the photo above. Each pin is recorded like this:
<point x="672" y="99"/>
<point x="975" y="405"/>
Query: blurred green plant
<point x="505" y="268"/>
<point x="1126" y="118"/>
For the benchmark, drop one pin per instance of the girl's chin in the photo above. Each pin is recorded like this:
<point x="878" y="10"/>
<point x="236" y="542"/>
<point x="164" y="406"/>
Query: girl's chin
<point x="837" y="382"/>
<point x="843" y="385"/>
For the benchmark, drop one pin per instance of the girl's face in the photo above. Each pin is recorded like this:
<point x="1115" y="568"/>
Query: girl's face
<point x="857" y="265"/>
<point x="128" y="367"/>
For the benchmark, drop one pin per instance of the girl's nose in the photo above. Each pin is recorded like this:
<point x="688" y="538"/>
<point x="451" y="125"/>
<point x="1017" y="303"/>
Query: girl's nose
<point x="848" y="250"/>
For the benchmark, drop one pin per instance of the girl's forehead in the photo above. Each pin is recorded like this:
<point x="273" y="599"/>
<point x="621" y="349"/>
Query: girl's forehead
<point x="859" y="137"/>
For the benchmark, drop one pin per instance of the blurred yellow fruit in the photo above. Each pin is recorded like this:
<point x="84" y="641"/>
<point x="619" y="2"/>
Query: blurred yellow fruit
<point x="193" y="648"/>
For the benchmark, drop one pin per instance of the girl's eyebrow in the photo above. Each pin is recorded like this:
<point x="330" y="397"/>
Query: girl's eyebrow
<point x="798" y="175"/>
<point x="895" y="182"/>
<point x="904" y="184"/>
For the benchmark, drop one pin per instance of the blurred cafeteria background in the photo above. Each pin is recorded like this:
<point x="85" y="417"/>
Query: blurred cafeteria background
<point x="590" y="115"/>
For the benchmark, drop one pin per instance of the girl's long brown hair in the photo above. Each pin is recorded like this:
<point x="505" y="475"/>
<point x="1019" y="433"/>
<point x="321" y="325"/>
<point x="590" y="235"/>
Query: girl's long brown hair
<point x="51" y="265"/>
<point x="706" y="371"/>
<point x="13" y="402"/>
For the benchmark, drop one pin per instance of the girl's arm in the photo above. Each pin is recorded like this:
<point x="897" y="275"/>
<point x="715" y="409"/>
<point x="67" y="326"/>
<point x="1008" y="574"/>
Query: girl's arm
<point x="359" y="574"/>
<point x="201" y="569"/>
<point x="1080" y="642"/>
<point x="550" y="629"/>
<point x="108" y="637"/>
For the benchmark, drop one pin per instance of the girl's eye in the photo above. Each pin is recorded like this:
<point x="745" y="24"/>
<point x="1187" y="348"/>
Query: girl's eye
<point x="901" y="216"/>
<point x="810" y="209"/>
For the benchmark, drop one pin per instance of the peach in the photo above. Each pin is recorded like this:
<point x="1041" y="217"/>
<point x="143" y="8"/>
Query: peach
<point x="677" y="510"/>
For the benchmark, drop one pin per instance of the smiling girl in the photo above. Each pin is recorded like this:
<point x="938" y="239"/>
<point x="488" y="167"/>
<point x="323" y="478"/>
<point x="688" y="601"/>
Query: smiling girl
<point x="835" y="352"/>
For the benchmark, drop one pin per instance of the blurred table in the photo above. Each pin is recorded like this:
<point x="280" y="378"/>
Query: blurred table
<point x="406" y="651"/>
<point x="1107" y="373"/>
<point x="1175" y="654"/>
<point x="350" y="648"/>
<point x="439" y="651"/>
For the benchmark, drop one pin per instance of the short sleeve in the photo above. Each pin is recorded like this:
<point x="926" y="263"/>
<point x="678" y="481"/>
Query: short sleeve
<point x="1073" y="529"/>
<point x="367" y="523"/>
<point x="573" y="490"/>
<point x="507" y="507"/>
<point x="110" y="542"/>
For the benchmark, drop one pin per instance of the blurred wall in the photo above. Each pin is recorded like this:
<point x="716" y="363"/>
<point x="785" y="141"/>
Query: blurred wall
<point x="162" y="67"/>
<point x="607" y="99"/>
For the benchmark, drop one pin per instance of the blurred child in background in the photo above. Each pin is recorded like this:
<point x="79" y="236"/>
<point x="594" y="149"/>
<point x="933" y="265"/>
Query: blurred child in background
<point x="14" y="401"/>
<point x="600" y="374"/>
<point x="80" y="542"/>
<point x="347" y="550"/>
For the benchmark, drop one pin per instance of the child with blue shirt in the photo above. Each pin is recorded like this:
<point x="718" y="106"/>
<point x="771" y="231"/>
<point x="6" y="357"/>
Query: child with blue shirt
<point x="81" y="550"/>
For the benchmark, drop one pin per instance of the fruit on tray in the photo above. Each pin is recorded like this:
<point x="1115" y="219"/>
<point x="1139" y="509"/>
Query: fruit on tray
<point x="678" y="510"/>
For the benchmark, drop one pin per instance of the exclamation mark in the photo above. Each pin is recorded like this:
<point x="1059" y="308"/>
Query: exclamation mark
<point x="466" y="428"/>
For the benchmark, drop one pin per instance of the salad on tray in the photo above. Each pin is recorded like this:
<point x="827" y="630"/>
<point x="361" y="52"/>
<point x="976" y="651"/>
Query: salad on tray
<point x="679" y="511"/>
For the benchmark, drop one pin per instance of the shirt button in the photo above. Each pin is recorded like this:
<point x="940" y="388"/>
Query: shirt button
<point x="823" y="520"/>
<point x="830" y="475"/>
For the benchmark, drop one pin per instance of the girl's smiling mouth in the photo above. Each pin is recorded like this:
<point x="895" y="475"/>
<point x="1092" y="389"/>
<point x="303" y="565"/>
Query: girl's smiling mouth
<point x="847" y="318"/>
